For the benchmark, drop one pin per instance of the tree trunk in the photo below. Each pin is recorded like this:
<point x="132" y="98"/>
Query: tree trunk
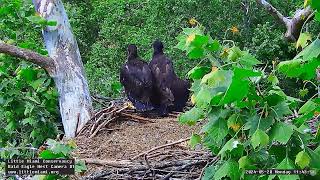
<point x="69" y="76"/>
<point x="292" y="24"/>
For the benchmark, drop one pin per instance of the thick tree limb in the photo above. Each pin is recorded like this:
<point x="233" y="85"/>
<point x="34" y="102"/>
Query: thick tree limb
<point x="31" y="56"/>
<point x="74" y="97"/>
<point x="294" y="24"/>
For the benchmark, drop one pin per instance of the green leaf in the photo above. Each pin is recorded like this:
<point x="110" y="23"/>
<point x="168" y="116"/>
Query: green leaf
<point x="182" y="45"/>
<point x="37" y="20"/>
<point x="216" y="129"/>
<point x="11" y="126"/>
<point x="195" y="30"/>
<point x="239" y="87"/>
<point x="302" y="159"/>
<point x="259" y="138"/>
<point x="196" y="53"/>
<point x="203" y="97"/>
<point x="310" y="52"/>
<point x="254" y="121"/>
<point x="281" y="109"/>
<point x="229" y="169"/>
<point x="209" y="172"/>
<point x="232" y="120"/>
<point x="303" y="40"/>
<point x="218" y="79"/>
<point x="315" y="4"/>
<point x="317" y="16"/>
<point x="28" y="108"/>
<point x="214" y="117"/>
<point x="28" y="120"/>
<point x="236" y="91"/>
<point x="317" y="150"/>
<point x="285" y="164"/>
<point x="192" y="116"/>
<point x="303" y="92"/>
<point x="248" y="60"/>
<point x="51" y="23"/>
<point x="229" y="146"/>
<point x="302" y="119"/>
<point x="194" y="140"/>
<point x="300" y="68"/>
<point x="290" y="68"/>
<point x="234" y="53"/>
<point x="37" y="83"/>
<point x="29" y="74"/>
<point x="307" y="107"/>
<point x="196" y="86"/>
<point x="309" y="69"/>
<point x="273" y="79"/>
<point x="198" y="72"/>
<point x="315" y="158"/>
<point x="58" y="148"/>
<point x="244" y="162"/>
<point x="306" y="3"/>
<point x="199" y="41"/>
<point x="214" y="46"/>
<point x="80" y="166"/>
<point x="48" y="154"/>
<point x="281" y="132"/>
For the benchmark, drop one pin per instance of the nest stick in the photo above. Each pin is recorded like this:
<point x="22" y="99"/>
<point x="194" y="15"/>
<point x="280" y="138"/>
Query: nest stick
<point x="159" y="147"/>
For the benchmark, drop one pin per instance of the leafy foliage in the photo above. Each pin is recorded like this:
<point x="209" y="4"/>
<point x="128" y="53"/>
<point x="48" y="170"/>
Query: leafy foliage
<point x="105" y="28"/>
<point x="245" y="121"/>
<point x="28" y="99"/>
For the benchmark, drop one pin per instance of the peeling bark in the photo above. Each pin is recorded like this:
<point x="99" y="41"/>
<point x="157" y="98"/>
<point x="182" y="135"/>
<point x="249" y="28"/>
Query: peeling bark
<point x="293" y="24"/>
<point x="69" y="76"/>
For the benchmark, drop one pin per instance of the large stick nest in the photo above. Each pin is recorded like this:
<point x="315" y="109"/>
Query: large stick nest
<point x="173" y="160"/>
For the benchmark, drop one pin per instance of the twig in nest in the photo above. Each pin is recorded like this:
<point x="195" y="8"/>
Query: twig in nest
<point x="102" y="111"/>
<point x="134" y="117"/>
<point x="107" y="129"/>
<point x="100" y="126"/>
<point x="93" y="128"/>
<point x="147" y="162"/>
<point x="167" y="177"/>
<point x="173" y="115"/>
<point x="159" y="147"/>
<point x="133" y="170"/>
<point x="118" y="111"/>
<point x="104" y="114"/>
<point x="83" y="129"/>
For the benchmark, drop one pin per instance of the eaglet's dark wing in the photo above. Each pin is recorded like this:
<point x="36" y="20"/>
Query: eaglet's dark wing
<point x="136" y="81"/>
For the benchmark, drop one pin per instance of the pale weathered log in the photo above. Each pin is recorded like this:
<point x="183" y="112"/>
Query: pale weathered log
<point x="292" y="24"/>
<point x="69" y="76"/>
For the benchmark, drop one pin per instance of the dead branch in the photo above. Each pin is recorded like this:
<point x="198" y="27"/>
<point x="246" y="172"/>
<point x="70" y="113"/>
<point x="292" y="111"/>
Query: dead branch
<point x="46" y="63"/>
<point x="102" y="111"/>
<point x="159" y="147"/>
<point x="292" y="24"/>
<point x="100" y="126"/>
<point x="136" y="170"/>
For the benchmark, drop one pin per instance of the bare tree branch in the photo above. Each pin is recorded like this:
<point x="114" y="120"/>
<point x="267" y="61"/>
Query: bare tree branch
<point x="293" y="24"/>
<point x="45" y="62"/>
<point x="273" y="11"/>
